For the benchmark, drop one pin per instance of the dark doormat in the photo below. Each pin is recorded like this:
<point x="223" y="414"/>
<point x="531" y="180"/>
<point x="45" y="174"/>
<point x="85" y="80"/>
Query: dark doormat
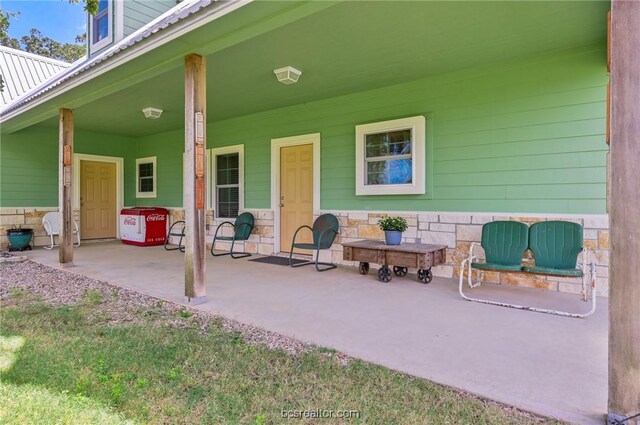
<point x="280" y="261"/>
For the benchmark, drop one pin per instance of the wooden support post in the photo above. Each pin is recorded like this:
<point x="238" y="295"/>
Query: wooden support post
<point x="195" y="103"/>
<point x="624" y="272"/>
<point x="65" y="188"/>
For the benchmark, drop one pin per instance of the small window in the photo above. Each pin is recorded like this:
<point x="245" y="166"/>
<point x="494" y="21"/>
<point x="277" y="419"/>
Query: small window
<point x="227" y="181"/>
<point x="390" y="157"/>
<point x="100" y="25"/>
<point x="146" y="177"/>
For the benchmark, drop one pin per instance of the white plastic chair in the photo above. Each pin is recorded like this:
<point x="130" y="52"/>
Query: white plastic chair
<point x="51" y="223"/>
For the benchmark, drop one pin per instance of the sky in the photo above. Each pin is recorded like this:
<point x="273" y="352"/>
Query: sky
<point x="56" y="19"/>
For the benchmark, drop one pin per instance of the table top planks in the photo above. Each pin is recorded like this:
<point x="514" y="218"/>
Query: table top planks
<point x="418" y="248"/>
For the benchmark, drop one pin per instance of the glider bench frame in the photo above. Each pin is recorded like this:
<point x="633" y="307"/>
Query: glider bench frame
<point x="555" y="246"/>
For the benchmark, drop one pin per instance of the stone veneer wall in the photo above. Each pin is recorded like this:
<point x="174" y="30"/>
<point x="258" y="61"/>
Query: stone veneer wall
<point x="260" y="241"/>
<point x="29" y="218"/>
<point x="459" y="230"/>
<point x="456" y="230"/>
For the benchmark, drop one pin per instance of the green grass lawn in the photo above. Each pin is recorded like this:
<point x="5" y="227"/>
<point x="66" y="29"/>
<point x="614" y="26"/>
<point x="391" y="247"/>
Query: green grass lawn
<point x="75" y="364"/>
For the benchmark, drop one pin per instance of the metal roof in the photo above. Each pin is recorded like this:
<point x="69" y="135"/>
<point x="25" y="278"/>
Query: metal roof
<point x="23" y="71"/>
<point x="178" y="13"/>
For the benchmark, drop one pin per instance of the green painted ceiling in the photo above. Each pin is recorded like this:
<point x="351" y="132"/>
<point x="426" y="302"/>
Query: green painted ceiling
<point x="350" y="47"/>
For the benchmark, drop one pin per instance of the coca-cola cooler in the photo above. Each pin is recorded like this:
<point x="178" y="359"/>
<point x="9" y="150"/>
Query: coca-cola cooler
<point x="143" y="226"/>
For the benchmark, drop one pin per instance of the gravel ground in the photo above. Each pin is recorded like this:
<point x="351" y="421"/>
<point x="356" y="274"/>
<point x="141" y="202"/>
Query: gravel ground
<point x="119" y="306"/>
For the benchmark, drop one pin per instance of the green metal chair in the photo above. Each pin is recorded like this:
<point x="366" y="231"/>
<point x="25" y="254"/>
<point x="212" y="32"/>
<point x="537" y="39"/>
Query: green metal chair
<point x="325" y="230"/>
<point x="555" y="246"/>
<point x="504" y="244"/>
<point x="242" y="228"/>
<point x="178" y="232"/>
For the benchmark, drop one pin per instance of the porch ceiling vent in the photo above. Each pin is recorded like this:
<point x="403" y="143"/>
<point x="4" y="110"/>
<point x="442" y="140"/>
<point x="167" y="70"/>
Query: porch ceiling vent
<point x="152" y="113"/>
<point x="287" y="75"/>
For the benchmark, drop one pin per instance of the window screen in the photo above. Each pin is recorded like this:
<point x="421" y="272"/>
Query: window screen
<point x="145" y="177"/>
<point x="227" y="185"/>
<point x="388" y="158"/>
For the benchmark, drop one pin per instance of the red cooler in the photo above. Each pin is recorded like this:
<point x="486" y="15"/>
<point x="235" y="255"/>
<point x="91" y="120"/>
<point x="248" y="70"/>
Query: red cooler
<point x="143" y="226"/>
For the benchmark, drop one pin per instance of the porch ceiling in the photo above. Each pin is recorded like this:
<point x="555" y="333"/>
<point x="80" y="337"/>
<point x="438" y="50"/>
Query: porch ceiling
<point x="351" y="47"/>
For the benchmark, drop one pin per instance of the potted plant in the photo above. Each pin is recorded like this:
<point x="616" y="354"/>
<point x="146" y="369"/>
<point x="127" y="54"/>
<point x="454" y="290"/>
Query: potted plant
<point x="19" y="238"/>
<point x="393" y="228"/>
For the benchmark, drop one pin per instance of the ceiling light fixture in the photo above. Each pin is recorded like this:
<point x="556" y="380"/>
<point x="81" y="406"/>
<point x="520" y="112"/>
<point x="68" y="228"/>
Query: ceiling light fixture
<point x="152" y="113"/>
<point x="287" y="75"/>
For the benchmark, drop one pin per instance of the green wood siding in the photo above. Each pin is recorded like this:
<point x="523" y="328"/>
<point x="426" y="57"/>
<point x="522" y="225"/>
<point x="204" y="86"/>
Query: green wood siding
<point x="519" y="137"/>
<point x="138" y="13"/>
<point x="29" y="164"/>
<point x="525" y="136"/>
<point x="168" y="150"/>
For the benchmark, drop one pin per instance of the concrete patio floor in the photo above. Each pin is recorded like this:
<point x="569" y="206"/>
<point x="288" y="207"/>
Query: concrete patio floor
<point x="549" y="365"/>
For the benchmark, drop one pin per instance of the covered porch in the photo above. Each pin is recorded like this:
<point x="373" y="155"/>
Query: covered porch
<point x="549" y="365"/>
<point x="514" y="96"/>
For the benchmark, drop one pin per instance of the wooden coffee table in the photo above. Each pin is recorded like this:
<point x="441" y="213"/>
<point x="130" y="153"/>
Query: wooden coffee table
<point x="402" y="257"/>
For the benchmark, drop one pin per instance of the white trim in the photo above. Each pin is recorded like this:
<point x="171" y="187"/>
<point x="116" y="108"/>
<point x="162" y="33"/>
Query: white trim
<point x="153" y="160"/>
<point x="471" y="213"/>
<point x="276" y="144"/>
<point x="239" y="149"/>
<point x="118" y="18"/>
<point x="417" y="125"/>
<point x="77" y="157"/>
<point x="109" y="38"/>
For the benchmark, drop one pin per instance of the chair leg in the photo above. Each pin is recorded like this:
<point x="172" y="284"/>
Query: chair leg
<point x="522" y="307"/>
<point x="330" y="266"/>
<point x="51" y="245"/>
<point x="238" y="254"/>
<point x="179" y="247"/>
<point x="213" y="244"/>
<point x="235" y="255"/>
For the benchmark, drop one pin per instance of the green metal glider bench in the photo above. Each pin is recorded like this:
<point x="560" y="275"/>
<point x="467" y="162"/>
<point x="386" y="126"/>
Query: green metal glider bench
<point x="242" y="228"/>
<point x="555" y="246"/>
<point x="325" y="231"/>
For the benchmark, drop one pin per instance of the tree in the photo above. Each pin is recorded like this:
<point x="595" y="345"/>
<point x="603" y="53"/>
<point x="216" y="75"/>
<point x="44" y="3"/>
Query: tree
<point x="90" y="6"/>
<point x="38" y="44"/>
<point x="5" y="40"/>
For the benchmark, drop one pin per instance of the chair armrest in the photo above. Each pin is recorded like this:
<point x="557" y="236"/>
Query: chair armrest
<point x="47" y="227"/>
<point x="296" y="233"/>
<point x="472" y="249"/>
<point x="215" y="235"/>
<point x="175" y="223"/>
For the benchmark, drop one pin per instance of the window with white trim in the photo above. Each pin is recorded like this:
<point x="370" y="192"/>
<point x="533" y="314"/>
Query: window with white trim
<point x="100" y="25"/>
<point x="146" y="181"/>
<point x="390" y="157"/>
<point x="227" y="180"/>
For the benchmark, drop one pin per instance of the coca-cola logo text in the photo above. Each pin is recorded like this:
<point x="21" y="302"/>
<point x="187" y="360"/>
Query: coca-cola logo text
<point x="130" y="221"/>
<point x="156" y="217"/>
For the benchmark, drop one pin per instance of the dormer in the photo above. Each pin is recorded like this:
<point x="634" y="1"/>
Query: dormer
<point x="116" y="19"/>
